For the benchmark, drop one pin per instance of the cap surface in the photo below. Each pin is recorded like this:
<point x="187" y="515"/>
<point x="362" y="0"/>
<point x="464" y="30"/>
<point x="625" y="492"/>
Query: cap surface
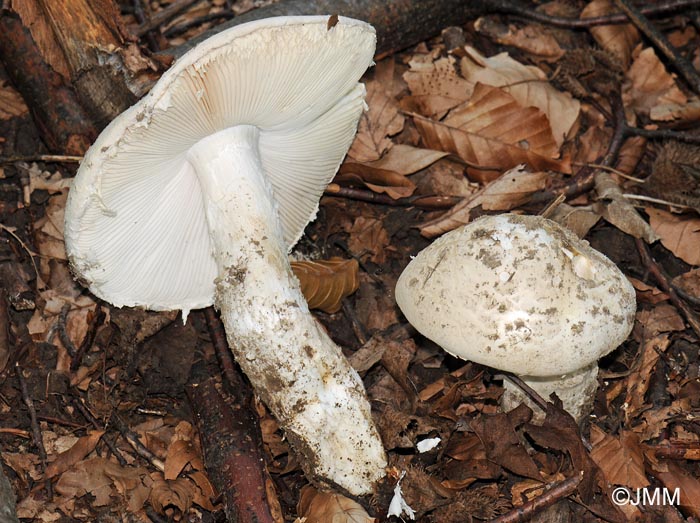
<point x="518" y="293"/>
<point x="136" y="231"/>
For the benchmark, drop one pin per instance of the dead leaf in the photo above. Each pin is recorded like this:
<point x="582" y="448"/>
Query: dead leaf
<point x="368" y="234"/>
<point x="388" y="174"/>
<point x="325" y="283"/>
<point x="578" y="220"/>
<point x="689" y="282"/>
<point x="617" y="210"/>
<point x="381" y="120"/>
<point x="73" y="455"/>
<point x="649" y="84"/>
<point x="675" y="477"/>
<point x="180" y="453"/>
<point x="647" y="293"/>
<point x="502" y="443"/>
<point x="527" y="84"/>
<point x="491" y="154"/>
<point x="177" y="493"/>
<point x="620" y="458"/>
<point x="676" y="113"/>
<point x="639" y="379"/>
<point x="11" y="103"/>
<point x="326" y="507"/>
<point x="662" y="318"/>
<point x="491" y="112"/>
<point x="435" y="87"/>
<point x="533" y="39"/>
<point x="618" y="39"/>
<point x="510" y="190"/>
<point x="679" y="234"/>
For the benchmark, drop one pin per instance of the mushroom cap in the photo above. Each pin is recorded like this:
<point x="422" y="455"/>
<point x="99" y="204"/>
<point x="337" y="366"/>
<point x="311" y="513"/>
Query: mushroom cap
<point x="518" y="293"/>
<point x="136" y="231"/>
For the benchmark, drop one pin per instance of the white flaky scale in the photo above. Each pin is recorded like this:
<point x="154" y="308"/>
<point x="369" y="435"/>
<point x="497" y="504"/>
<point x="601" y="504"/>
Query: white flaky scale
<point x="563" y="306"/>
<point x="209" y="181"/>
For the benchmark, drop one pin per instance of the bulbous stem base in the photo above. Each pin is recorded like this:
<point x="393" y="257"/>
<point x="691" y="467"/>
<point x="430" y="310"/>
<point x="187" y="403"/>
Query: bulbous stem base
<point x="576" y="391"/>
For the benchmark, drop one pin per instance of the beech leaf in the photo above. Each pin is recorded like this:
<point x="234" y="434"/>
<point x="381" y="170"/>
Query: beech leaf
<point x="327" y="507"/>
<point x="679" y="234"/>
<point x="325" y="283"/>
<point x="510" y="190"/>
<point x="618" y="39"/>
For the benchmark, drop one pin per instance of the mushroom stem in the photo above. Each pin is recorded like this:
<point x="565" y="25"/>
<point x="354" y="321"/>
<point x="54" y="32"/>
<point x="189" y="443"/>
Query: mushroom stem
<point x="576" y="391"/>
<point x="301" y="375"/>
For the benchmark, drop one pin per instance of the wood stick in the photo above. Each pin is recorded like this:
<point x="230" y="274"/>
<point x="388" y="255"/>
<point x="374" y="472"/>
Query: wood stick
<point x="62" y="122"/>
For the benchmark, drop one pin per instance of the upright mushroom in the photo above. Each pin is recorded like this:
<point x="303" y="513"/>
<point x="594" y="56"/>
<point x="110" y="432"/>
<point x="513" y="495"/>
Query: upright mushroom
<point x="194" y="196"/>
<point x="525" y="295"/>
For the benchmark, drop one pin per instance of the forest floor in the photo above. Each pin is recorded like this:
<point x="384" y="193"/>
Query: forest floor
<point x="500" y="115"/>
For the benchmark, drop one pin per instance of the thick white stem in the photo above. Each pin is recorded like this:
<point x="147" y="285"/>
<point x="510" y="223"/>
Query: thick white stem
<point x="576" y="391"/>
<point x="302" y="376"/>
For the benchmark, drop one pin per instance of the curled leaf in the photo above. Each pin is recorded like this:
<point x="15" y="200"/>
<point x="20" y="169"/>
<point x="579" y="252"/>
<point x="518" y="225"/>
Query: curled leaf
<point x="325" y="283"/>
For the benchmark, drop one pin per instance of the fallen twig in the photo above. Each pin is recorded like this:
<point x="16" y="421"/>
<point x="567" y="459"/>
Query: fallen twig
<point x="526" y="511"/>
<point x="682" y="65"/>
<point x="36" y="430"/>
<point x="663" y="281"/>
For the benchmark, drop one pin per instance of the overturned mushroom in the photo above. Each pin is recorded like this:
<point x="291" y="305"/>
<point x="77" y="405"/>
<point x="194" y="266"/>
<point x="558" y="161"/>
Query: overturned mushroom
<point x="194" y="196"/>
<point x="521" y="294"/>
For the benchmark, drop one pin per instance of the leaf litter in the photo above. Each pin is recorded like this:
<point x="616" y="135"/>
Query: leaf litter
<point x="494" y="129"/>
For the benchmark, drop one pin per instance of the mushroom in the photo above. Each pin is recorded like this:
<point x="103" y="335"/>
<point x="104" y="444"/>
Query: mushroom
<point x="524" y="295"/>
<point x="195" y="195"/>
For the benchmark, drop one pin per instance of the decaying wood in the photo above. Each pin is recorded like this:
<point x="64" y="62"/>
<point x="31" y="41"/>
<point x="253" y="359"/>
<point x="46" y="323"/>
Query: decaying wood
<point x="232" y="451"/>
<point x="62" y="122"/>
<point x="96" y="52"/>
<point x="399" y="23"/>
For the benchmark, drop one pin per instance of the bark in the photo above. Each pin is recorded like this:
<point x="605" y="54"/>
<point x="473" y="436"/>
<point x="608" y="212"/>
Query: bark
<point x="88" y="33"/>
<point x="62" y="122"/>
<point x="232" y="448"/>
<point x="399" y="23"/>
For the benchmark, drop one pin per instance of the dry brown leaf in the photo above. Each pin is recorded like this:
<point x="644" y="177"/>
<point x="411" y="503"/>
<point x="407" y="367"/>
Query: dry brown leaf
<point x="527" y="84"/>
<point x="325" y="283"/>
<point x="639" y="378"/>
<point x="630" y="154"/>
<point x="374" y="304"/>
<point x="98" y="476"/>
<point x="177" y="493"/>
<point x="380" y="121"/>
<point x="73" y="455"/>
<point x="510" y="190"/>
<point x="620" y="458"/>
<point x="578" y="220"/>
<point x="679" y="234"/>
<point x="491" y="113"/>
<point x="368" y="234"/>
<point x="647" y="293"/>
<point x="491" y="154"/>
<point x="648" y="84"/>
<point x="435" y="87"/>
<point x="388" y="174"/>
<point x="533" y="39"/>
<point x="689" y="282"/>
<point x="617" y="210"/>
<point x="675" y="477"/>
<point x="11" y="103"/>
<point x="618" y="39"/>
<point x="180" y="453"/>
<point x="662" y="318"/>
<point x="327" y="507"/>
<point x="677" y="113"/>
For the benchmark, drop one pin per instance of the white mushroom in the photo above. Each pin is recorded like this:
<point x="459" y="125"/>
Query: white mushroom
<point x="524" y="295"/>
<point x="194" y="196"/>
